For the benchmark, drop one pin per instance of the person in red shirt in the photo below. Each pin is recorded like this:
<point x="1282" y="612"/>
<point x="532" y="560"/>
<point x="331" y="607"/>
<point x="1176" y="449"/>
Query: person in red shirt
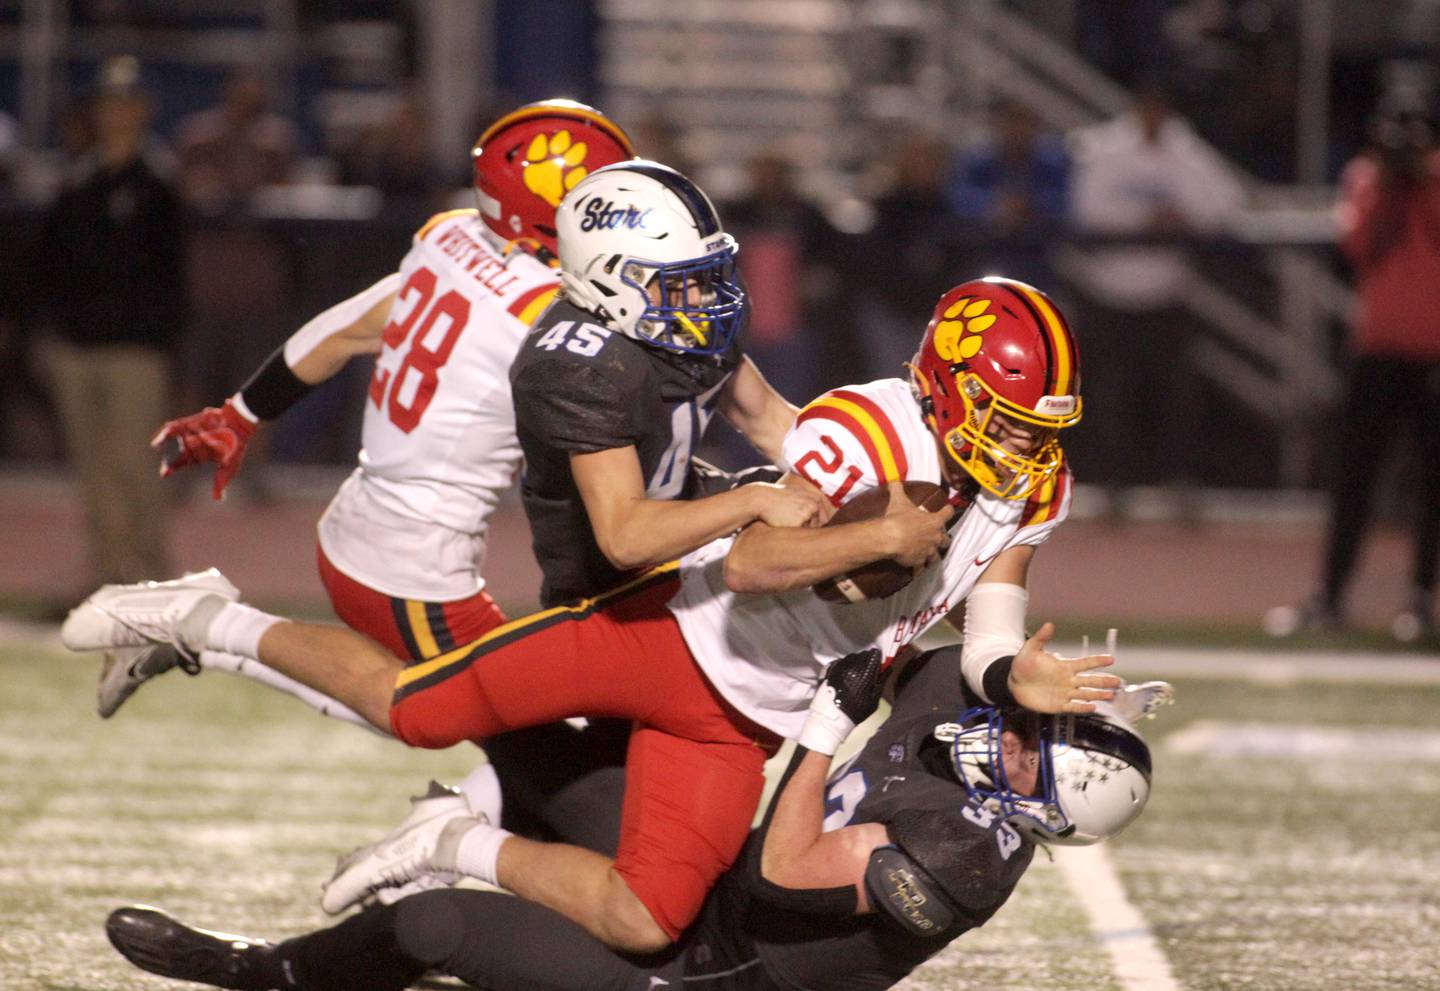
<point x="1389" y="220"/>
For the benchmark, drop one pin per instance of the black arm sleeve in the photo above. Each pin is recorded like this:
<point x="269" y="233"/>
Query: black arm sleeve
<point x="838" y="901"/>
<point x="997" y="682"/>
<point x="274" y="387"/>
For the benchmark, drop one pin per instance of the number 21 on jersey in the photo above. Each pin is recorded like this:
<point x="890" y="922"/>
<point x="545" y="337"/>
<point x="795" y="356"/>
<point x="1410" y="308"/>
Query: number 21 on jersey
<point x="430" y="326"/>
<point x="821" y="470"/>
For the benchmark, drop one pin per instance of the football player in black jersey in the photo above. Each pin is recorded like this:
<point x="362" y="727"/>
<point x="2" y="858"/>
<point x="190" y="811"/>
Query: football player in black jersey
<point x="849" y="883"/>
<point x="613" y="389"/>
<point x="618" y="379"/>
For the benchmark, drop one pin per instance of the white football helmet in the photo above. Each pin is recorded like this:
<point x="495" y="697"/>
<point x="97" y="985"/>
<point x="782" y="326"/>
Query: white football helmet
<point x="641" y="247"/>
<point x="1094" y="772"/>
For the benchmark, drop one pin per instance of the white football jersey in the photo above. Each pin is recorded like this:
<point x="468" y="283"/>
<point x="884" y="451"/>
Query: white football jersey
<point x="767" y="653"/>
<point x="439" y="445"/>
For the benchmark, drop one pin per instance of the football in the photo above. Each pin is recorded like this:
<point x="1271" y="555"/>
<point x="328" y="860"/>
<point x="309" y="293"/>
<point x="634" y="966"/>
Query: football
<point x="879" y="579"/>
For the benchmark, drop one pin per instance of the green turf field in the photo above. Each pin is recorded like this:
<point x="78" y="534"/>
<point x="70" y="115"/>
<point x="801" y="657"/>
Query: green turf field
<point x="1308" y="859"/>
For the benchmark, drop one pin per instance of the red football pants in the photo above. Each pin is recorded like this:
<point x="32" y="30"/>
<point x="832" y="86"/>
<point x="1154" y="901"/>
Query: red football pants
<point x="695" y="767"/>
<point x="410" y="629"/>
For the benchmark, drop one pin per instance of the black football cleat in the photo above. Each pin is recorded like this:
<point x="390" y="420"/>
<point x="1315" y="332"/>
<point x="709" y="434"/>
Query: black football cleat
<point x="154" y="941"/>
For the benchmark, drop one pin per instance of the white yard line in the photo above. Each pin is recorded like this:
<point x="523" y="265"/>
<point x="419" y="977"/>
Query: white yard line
<point x="1136" y="957"/>
<point x="1273" y="667"/>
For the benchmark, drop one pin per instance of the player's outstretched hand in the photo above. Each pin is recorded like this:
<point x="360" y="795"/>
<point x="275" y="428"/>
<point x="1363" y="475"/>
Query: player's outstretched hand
<point x="1046" y="682"/>
<point x="789" y="505"/>
<point x="216" y="433"/>
<point x="918" y="536"/>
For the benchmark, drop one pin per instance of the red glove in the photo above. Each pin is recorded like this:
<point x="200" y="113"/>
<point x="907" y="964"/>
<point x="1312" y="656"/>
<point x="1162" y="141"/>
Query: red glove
<point x="217" y="434"/>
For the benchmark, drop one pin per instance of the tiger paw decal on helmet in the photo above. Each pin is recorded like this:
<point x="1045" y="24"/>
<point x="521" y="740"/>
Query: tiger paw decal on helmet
<point x="957" y="337"/>
<point x="554" y="165"/>
<point x="530" y="158"/>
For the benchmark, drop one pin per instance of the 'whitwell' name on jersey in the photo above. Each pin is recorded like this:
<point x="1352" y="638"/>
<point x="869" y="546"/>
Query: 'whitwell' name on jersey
<point x="766" y="653"/>
<point x="439" y="430"/>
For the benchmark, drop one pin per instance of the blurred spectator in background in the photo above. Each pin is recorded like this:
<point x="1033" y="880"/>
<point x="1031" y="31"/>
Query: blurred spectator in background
<point x="109" y="271"/>
<point x="394" y="157"/>
<point x="240" y="276"/>
<point x="1146" y="174"/>
<point x="230" y="151"/>
<point x="27" y="419"/>
<point x="9" y="148"/>
<point x="1125" y="40"/>
<point x="659" y="138"/>
<point x="904" y="263"/>
<point x="1016" y="185"/>
<point x="1017" y="176"/>
<point x="1389" y="220"/>
<point x="786" y="268"/>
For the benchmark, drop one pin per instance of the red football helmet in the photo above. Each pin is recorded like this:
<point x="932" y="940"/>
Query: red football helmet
<point x="997" y="347"/>
<point x="530" y="158"/>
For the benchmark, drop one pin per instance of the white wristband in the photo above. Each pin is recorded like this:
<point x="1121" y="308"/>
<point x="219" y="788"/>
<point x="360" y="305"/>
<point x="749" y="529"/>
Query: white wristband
<point x="826" y="727"/>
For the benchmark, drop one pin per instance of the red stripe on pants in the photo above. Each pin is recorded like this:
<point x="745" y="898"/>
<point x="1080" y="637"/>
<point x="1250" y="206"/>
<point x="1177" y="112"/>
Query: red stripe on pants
<point x="695" y="766"/>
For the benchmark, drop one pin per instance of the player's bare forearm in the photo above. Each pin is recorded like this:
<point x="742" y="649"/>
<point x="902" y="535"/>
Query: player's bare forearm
<point x="767" y="559"/>
<point x="798" y="854"/>
<point x="635" y="531"/>
<point x="649" y="532"/>
<point x="753" y="407"/>
<point x="327" y="355"/>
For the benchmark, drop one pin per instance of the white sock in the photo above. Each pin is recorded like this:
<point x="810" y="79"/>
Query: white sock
<point x="237" y="629"/>
<point x="479" y="852"/>
<point x="481" y="788"/>
<point x="248" y="667"/>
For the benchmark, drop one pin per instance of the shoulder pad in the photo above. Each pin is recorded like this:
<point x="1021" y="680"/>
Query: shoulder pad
<point x="901" y="889"/>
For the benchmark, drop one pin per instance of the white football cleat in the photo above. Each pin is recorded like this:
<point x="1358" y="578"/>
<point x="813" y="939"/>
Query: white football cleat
<point x="401" y="856"/>
<point x="144" y="613"/>
<point x="125" y="669"/>
<point x="1136" y="702"/>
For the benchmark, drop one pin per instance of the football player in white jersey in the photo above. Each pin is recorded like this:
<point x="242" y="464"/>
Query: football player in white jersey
<point x="402" y="544"/>
<point x="717" y="658"/>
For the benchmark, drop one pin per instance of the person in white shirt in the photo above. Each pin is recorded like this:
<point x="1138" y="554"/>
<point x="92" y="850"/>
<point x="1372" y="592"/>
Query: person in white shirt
<point x="1145" y="173"/>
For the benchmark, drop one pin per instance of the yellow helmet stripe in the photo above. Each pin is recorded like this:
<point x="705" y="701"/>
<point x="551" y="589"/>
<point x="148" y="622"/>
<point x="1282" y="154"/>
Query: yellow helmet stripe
<point x="1059" y="337"/>
<point x="559" y="109"/>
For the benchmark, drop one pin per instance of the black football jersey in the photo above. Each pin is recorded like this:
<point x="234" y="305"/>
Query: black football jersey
<point x="900" y="779"/>
<point x="580" y="387"/>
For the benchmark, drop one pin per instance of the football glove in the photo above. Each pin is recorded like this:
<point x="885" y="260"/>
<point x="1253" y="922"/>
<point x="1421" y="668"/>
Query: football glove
<point x="847" y="696"/>
<point x="216" y="433"/>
